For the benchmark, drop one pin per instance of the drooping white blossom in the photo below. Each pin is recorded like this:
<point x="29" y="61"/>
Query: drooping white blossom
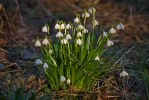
<point x="109" y="43"/>
<point x="64" y="41"/>
<point x="79" y="42"/>
<point x="38" y="62"/>
<point x="37" y="43"/>
<point x="76" y="20"/>
<point x="57" y="26"/>
<point x="79" y="34"/>
<point x="45" y="66"/>
<point x="85" y="15"/>
<point x="68" y="81"/>
<point x="62" y="79"/>
<point x="123" y="73"/>
<point x="91" y="10"/>
<point x="80" y="27"/>
<point x="120" y="26"/>
<point x="68" y="37"/>
<point x="105" y="33"/>
<point x="112" y="31"/>
<point x="50" y="51"/>
<point x="59" y="34"/>
<point x="97" y="58"/>
<point x="68" y="26"/>
<point x="95" y="23"/>
<point x="45" y="29"/>
<point x="85" y="30"/>
<point x="45" y="42"/>
<point x="62" y="26"/>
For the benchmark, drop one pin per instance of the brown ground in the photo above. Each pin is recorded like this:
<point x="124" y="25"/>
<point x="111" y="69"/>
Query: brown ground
<point x="20" y="25"/>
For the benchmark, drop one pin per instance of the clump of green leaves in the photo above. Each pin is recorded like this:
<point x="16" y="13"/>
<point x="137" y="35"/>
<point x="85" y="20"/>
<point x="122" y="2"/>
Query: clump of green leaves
<point x="75" y="57"/>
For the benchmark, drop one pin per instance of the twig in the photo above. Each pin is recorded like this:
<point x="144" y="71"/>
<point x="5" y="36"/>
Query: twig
<point x="3" y="50"/>
<point x="17" y="10"/>
<point x="45" y="9"/>
<point x="122" y="57"/>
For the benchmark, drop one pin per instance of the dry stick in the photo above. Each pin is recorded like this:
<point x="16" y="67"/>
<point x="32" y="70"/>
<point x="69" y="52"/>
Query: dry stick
<point x="3" y="50"/>
<point x="45" y="9"/>
<point x="122" y="56"/>
<point x="17" y="10"/>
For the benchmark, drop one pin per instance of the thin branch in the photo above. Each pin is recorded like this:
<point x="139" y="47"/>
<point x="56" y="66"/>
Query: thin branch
<point x="122" y="57"/>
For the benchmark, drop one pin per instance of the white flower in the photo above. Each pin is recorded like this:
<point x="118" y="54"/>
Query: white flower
<point x="95" y="23"/>
<point x="68" y="26"/>
<point x="120" y="26"/>
<point x="79" y="34"/>
<point x="91" y="10"/>
<point x="85" y="15"/>
<point x="59" y="34"/>
<point x="80" y="27"/>
<point x="76" y="20"/>
<point x="45" y="42"/>
<point x="85" y="30"/>
<point x="64" y="41"/>
<point x="109" y="43"/>
<point x="97" y="58"/>
<point x="62" y="26"/>
<point x="45" y="66"/>
<point x="79" y="42"/>
<point x="62" y="79"/>
<point x="50" y="51"/>
<point x="37" y="43"/>
<point x="68" y="81"/>
<point x="57" y="26"/>
<point x="44" y="29"/>
<point x="123" y="73"/>
<point x="68" y="37"/>
<point x="105" y="33"/>
<point x="112" y="31"/>
<point x="38" y="62"/>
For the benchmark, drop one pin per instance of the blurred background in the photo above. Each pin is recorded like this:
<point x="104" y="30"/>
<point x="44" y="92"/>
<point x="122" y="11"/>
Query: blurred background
<point x="21" y="20"/>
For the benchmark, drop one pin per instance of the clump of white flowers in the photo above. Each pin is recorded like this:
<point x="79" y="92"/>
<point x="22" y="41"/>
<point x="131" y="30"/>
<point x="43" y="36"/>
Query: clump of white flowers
<point x="75" y="51"/>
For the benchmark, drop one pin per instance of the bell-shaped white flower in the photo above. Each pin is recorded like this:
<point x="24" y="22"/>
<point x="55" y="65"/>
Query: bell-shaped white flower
<point x="37" y="43"/>
<point x="38" y="62"/>
<point x="97" y="58"/>
<point x="79" y="42"/>
<point x="76" y="20"/>
<point x="50" y="51"/>
<point x="85" y="15"/>
<point x="109" y="43"/>
<point x="45" y="66"/>
<point x="62" y="79"/>
<point x="95" y="23"/>
<point x="120" y="26"/>
<point x="112" y="31"/>
<point x="123" y="74"/>
<point x="68" y="81"/>
<point x="45" y="42"/>
<point x="64" y="41"/>
<point x="62" y="26"/>
<point x="105" y="34"/>
<point x="45" y="29"/>
<point x="80" y="27"/>
<point x="57" y="26"/>
<point x="85" y="30"/>
<point x="59" y="34"/>
<point x="68" y="37"/>
<point x="91" y="10"/>
<point x="68" y="26"/>
<point x="79" y="34"/>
